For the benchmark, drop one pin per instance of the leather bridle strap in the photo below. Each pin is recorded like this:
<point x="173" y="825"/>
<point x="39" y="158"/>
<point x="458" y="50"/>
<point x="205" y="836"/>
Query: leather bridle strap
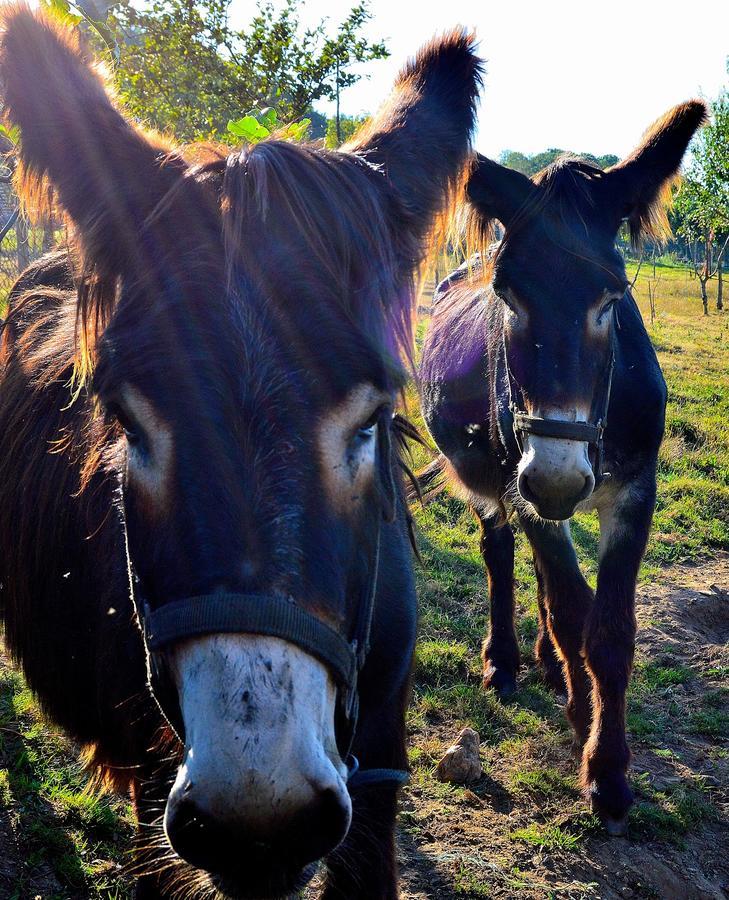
<point x="251" y="614"/>
<point x="557" y="428"/>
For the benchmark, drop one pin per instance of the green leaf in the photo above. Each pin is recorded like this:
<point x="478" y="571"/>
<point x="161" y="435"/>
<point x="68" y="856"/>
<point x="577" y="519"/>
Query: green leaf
<point x="268" y="117"/>
<point x="61" y="9"/>
<point x="11" y="132"/>
<point x="248" y="128"/>
<point x="296" y="131"/>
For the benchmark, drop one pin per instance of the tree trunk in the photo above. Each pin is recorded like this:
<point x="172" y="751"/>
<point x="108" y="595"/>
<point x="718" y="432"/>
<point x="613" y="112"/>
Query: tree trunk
<point x="704" y="296"/>
<point x="719" y="288"/>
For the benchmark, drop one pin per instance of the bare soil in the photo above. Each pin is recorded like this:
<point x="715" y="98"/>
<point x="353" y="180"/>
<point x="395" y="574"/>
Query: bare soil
<point x="463" y="846"/>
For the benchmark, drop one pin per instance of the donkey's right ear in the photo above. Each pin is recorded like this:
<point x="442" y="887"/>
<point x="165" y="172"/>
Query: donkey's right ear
<point x="497" y="192"/>
<point x="421" y="137"/>
<point x="107" y="175"/>
<point x="639" y="186"/>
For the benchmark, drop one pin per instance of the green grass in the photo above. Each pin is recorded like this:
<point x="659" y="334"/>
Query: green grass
<point x="547" y="837"/>
<point x="63" y="827"/>
<point x="543" y="783"/>
<point x="668" y="815"/>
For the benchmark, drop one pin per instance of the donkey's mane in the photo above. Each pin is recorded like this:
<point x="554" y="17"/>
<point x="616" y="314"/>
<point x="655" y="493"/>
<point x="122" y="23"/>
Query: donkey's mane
<point x="298" y="215"/>
<point x="565" y="193"/>
<point x="289" y="215"/>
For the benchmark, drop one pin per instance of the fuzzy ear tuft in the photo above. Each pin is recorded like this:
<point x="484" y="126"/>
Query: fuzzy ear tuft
<point x="496" y="191"/>
<point x="641" y="184"/>
<point x="421" y="137"/>
<point x="73" y="138"/>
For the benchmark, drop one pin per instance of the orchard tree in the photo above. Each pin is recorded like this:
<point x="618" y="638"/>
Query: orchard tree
<point x="702" y="203"/>
<point x="531" y="164"/>
<point x="341" y="130"/>
<point x="183" y="68"/>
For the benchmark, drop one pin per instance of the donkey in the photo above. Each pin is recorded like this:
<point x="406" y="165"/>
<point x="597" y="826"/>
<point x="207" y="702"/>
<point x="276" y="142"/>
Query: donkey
<point x="200" y="493"/>
<point x="543" y="393"/>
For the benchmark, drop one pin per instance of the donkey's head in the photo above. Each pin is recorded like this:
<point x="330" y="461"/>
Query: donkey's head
<point x="558" y="276"/>
<point x="242" y="323"/>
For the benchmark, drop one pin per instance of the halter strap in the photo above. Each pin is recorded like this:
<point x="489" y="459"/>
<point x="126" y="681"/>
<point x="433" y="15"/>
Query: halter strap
<point x="251" y="614"/>
<point x="557" y="428"/>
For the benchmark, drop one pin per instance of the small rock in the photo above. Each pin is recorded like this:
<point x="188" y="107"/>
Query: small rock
<point x="461" y="763"/>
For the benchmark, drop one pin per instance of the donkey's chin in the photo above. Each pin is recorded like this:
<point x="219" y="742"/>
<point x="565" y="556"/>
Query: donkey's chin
<point x="554" y="511"/>
<point x="276" y="885"/>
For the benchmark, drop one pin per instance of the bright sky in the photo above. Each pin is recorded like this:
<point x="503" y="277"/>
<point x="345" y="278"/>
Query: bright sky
<point x="582" y="76"/>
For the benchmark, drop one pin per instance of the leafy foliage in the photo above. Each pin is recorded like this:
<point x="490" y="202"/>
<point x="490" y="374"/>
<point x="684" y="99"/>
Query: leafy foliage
<point x="701" y="213"/>
<point x="531" y="164"/>
<point x="259" y="124"/>
<point x="185" y="69"/>
<point x="348" y="127"/>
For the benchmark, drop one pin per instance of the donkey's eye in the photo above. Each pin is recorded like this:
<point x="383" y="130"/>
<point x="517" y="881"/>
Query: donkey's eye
<point x="131" y="429"/>
<point x="368" y="428"/>
<point x="607" y="307"/>
<point x="505" y="297"/>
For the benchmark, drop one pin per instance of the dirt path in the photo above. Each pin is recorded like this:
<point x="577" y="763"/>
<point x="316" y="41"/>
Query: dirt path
<point x="463" y="846"/>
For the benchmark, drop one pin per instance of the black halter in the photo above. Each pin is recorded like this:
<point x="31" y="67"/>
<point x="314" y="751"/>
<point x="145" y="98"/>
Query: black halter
<point x="590" y="432"/>
<point x="273" y="616"/>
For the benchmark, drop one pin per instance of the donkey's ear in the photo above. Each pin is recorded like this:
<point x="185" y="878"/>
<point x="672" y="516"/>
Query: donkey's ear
<point x="640" y="184"/>
<point x="497" y="192"/>
<point x="421" y="137"/>
<point x="106" y="174"/>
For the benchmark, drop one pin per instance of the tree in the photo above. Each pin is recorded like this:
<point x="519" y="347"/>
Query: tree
<point x="530" y="165"/>
<point x="184" y="69"/>
<point x="348" y="126"/>
<point x="702" y="203"/>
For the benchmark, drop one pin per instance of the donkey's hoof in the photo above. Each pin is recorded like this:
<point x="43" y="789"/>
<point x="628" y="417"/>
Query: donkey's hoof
<point x="610" y="799"/>
<point x="616" y="827"/>
<point x="554" y="679"/>
<point x="504" y="683"/>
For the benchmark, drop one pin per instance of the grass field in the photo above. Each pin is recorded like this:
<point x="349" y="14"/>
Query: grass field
<point x="523" y="830"/>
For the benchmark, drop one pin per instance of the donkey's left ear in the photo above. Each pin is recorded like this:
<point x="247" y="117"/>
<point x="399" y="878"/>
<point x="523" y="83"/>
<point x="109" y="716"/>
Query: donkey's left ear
<point x="421" y="137"/>
<point x="641" y="182"/>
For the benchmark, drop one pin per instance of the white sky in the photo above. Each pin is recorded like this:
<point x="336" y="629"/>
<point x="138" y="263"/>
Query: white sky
<point x="583" y="76"/>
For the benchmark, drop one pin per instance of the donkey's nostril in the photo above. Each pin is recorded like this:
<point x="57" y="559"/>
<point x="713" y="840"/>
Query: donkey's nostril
<point x="524" y="488"/>
<point x="588" y="487"/>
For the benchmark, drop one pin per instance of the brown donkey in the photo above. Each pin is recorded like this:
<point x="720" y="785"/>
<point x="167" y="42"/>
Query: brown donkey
<point x="196" y="437"/>
<point x="543" y="392"/>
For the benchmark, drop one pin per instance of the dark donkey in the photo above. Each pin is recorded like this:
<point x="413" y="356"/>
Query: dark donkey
<point x="542" y="391"/>
<point x="196" y="420"/>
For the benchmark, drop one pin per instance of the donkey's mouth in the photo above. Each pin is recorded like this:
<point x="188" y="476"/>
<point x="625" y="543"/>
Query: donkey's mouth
<point x="278" y="884"/>
<point x="554" y="511"/>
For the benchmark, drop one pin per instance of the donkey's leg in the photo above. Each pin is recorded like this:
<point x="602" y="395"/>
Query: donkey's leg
<point x="365" y="865"/>
<point x="151" y="851"/>
<point x="609" y="646"/>
<point x="548" y="660"/>
<point x="500" y="651"/>
<point x="567" y="600"/>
